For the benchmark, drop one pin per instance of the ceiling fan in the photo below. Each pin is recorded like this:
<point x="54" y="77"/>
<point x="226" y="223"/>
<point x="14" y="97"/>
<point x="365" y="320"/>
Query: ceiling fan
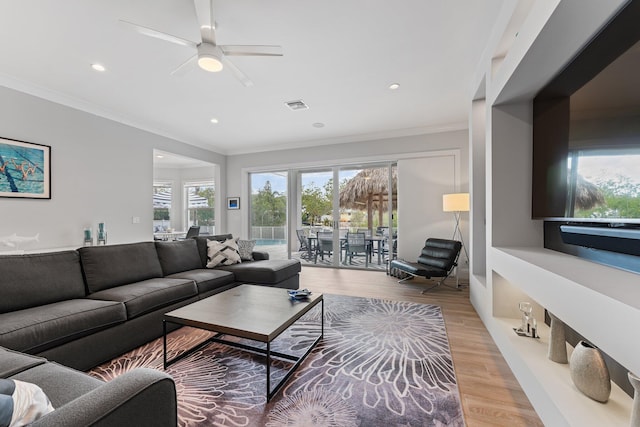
<point x="209" y="55"/>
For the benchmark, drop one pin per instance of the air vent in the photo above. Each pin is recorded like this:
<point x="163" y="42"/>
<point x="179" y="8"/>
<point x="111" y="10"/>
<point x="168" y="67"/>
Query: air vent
<point x="297" y="105"/>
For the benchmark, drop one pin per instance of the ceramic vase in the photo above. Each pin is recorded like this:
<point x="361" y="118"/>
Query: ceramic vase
<point x="635" y="409"/>
<point x="589" y="372"/>
<point x="557" y="351"/>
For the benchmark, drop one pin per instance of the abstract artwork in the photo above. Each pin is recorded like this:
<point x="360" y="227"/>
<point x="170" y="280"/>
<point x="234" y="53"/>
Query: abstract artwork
<point x="25" y="169"/>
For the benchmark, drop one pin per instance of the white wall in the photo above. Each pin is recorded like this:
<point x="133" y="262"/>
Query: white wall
<point x="390" y="149"/>
<point x="101" y="171"/>
<point x="421" y="184"/>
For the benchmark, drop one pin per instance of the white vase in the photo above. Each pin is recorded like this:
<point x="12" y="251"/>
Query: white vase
<point x="635" y="409"/>
<point x="557" y="341"/>
<point x="589" y="372"/>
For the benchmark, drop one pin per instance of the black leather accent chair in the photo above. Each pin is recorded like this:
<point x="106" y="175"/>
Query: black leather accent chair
<point x="438" y="258"/>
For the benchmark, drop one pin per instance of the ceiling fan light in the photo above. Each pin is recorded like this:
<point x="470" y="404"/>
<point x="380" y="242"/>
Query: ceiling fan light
<point x="209" y="57"/>
<point x="209" y="63"/>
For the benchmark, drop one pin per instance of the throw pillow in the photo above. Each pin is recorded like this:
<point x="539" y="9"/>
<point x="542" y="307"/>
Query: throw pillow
<point x="245" y="248"/>
<point x="222" y="253"/>
<point x="21" y="403"/>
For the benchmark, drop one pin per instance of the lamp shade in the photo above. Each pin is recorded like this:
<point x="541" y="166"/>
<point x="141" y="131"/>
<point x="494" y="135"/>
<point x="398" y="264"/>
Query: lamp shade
<point x="455" y="202"/>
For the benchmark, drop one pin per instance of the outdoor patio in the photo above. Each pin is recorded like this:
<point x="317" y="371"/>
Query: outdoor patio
<point x="280" y="252"/>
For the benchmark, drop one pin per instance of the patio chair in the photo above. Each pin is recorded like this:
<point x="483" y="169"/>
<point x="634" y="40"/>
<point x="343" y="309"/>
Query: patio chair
<point x="368" y="234"/>
<point x="356" y="244"/>
<point x="438" y="258"/>
<point x="303" y="239"/>
<point x="324" y="245"/>
<point x="390" y="256"/>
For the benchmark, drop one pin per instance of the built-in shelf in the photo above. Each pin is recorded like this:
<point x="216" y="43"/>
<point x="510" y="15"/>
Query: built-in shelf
<point x="601" y="303"/>
<point x="554" y="380"/>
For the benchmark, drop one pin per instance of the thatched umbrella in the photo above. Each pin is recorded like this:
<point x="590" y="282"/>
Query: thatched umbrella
<point x="370" y="189"/>
<point x="588" y="195"/>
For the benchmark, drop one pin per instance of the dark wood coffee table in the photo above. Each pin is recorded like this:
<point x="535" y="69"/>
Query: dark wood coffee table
<point x="254" y="312"/>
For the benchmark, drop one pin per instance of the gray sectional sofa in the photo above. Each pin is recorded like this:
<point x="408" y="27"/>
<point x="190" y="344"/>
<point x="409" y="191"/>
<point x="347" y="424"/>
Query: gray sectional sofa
<point x="84" y="307"/>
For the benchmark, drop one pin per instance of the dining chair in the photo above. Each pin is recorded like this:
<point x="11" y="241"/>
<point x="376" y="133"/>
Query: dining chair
<point x="356" y="245"/>
<point x="324" y="245"/>
<point x="368" y="234"/>
<point x="303" y="239"/>
<point x="193" y="231"/>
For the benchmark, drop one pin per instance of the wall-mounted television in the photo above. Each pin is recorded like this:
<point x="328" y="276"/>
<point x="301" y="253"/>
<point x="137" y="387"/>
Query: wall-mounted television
<point x="586" y="131"/>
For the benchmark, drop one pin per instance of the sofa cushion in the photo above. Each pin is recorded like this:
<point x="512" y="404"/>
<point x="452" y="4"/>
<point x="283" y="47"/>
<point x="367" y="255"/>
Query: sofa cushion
<point x="222" y="253"/>
<point x="114" y="265"/>
<point x="177" y="256"/>
<point x="36" y="329"/>
<point x="148" y="295"/>
<point x="206" y="280"/>
<point x="201" y="242"/>
<point x="38" y="279"/>
<point x="12" y="362"/>
<point x="267" y="272"/>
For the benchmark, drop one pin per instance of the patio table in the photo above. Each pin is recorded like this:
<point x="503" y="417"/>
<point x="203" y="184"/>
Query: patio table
<point x="378" y="239"/>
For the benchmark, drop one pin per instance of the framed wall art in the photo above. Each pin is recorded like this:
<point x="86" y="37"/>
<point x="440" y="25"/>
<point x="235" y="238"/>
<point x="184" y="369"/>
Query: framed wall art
<point x="233" y="202"/>
<point x="25" y="169"/>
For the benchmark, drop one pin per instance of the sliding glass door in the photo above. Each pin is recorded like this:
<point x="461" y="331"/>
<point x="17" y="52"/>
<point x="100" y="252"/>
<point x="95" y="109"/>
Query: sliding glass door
<point x="268" y="212"/>
<point x="328" y="213"/>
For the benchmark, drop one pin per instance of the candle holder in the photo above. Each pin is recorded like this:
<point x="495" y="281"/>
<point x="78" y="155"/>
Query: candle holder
<point x="102" y="234"/>
<point x="88" y="236"/>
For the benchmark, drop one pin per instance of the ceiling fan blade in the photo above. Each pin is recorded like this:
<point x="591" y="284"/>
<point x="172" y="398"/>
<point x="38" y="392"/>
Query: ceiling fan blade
<point x="156" y="34"/>
<point x="185" y="66"/>
<point x="251" y="50"/>
<point x="246" y="81"/>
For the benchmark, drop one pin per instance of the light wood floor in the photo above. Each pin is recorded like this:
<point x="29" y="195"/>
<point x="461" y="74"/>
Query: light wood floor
<point x="490" y="394"/>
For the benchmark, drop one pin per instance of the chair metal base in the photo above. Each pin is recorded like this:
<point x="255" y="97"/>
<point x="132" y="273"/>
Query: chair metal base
<point x="458" y="286"/>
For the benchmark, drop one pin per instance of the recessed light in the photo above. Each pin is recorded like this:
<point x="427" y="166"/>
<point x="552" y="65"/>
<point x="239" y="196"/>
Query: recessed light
<point x="394" y="86"/>
<point x="214" y="121"/>
<point x="98" y="67"/>
<point x="318" y="125"/>
<point x="160" y="156"/>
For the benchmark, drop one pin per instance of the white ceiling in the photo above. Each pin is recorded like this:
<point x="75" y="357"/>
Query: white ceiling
<point x="339" y="58"/>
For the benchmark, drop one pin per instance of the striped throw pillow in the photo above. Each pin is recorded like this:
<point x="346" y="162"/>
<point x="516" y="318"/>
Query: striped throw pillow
<point x="222" y="253"/>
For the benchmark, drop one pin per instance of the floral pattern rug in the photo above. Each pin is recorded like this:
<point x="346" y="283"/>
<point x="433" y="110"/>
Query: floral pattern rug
<point x="380" y="363"/>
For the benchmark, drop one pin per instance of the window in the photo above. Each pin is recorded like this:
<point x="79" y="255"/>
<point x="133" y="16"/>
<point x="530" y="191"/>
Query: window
<point x="200" y="198"/>
<point x="161" y="206"/>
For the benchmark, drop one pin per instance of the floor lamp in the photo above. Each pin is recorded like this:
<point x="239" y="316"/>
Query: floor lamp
<point x="456" y="203"/>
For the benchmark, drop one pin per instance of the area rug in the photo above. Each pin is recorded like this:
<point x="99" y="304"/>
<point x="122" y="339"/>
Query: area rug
<point x="380" y="363"/>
